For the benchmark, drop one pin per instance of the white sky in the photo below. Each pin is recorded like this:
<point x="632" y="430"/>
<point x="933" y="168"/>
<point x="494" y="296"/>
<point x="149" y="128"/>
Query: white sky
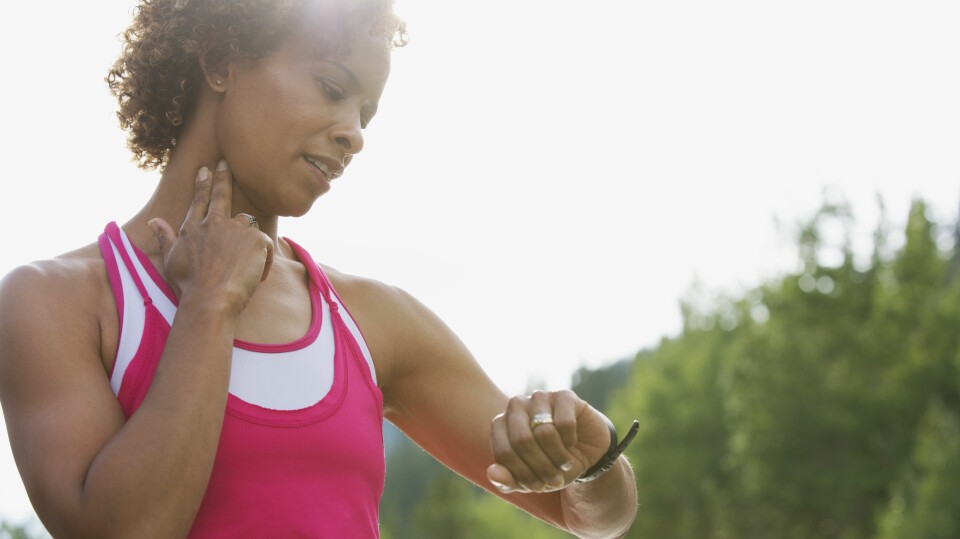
<point x="549" y="176"/>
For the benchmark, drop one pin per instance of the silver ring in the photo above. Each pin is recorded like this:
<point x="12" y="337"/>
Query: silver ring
<point x="251" y="219"/>
<point x="540" y="419"/>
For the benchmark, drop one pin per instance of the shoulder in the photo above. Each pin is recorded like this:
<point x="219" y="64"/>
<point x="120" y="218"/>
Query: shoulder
<point x="37" y="300"/>
<point x="67" y="276"/>
<point x="371" y="296"/>
<point x="396" y="326"/>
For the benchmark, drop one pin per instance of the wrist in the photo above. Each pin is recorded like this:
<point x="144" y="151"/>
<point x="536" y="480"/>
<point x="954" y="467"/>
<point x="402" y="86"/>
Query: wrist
<point x="209" y="303"/>
<point x="613" y="453"/>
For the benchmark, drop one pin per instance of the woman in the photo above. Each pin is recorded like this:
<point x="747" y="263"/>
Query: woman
<point x="192" y="373"/>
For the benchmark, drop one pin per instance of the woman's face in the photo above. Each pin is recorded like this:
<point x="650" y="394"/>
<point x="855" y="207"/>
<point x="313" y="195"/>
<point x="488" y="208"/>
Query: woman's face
<point x="289" y="122"/>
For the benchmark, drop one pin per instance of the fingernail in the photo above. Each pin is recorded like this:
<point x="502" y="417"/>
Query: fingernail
<point x="222" y="165"/>
<point x="566" y="466"/>
<point x="556" y="482"/>
<point x="500" y="486"/>
<point x="203" y="174"/>
<point x="153" y="226"/>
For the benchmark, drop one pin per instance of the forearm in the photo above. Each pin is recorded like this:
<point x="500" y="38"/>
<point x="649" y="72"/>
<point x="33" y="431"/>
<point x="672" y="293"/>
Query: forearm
<point x="602" y="508"/>
<point x="150" y="478"/>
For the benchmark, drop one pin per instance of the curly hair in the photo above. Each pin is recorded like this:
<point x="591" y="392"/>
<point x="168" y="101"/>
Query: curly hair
<point x="156" y="78"/>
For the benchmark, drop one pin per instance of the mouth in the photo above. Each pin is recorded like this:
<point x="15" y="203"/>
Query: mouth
<point x="330" y="172"/>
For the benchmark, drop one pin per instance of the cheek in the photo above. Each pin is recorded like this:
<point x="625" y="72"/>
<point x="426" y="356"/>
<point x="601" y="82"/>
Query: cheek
<point x="244" y="128"/>
<point x="266" y="125"/>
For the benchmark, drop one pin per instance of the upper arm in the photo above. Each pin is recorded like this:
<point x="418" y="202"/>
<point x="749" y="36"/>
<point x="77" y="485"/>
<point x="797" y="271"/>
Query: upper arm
<point x="56" y="398"/>
<point x="438" y="394"/>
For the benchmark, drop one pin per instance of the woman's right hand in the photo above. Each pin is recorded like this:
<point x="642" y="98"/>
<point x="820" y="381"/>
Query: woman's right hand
<point x="214" y="257"/>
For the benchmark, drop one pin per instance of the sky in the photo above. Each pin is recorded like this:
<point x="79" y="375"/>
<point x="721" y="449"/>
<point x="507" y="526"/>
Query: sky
<point x="551" y="177"/>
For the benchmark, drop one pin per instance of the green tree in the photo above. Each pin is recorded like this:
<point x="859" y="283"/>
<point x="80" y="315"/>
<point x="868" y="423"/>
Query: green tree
<point x="454" y="507"/>
<point x="791" y="412"/>
<point x="926" y="502"/>
<point x="28" y="530"/>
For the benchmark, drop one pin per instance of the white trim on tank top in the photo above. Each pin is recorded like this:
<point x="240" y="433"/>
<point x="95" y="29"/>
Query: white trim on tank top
<point x="279" y="381"/>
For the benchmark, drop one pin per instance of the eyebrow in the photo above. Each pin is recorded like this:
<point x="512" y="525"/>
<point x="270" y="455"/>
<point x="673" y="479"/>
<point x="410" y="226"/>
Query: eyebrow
<point x="353" y="78"/>
<point x="350" y="74"/>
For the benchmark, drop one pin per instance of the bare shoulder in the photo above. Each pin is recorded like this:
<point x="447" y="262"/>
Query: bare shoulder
<point x="60" y="298"/>
<point x="68" y="281"/>
<point x="381" y="311"/>
<point x="395" y="324"/>
<point x="364" y="293"/>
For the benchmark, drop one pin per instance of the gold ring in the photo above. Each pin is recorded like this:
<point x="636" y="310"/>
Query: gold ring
<point x="541" y="419"/>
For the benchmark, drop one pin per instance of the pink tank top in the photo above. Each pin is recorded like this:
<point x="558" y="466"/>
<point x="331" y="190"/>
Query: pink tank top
<point x="301" y="449"/>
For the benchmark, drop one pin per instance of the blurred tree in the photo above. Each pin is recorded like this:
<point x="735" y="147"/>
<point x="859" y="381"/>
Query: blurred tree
<point x="597" y="385"/>
<point x="410" y="471"/>
<point x="678" y="450"/>
<point x="29" y="530"/>
<point x="454" y="507"/>
<point x="926" y="502"/>
<point x="792" y="411"/>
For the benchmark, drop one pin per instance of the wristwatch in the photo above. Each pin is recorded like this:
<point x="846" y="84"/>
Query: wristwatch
<point x="610" y="458"/>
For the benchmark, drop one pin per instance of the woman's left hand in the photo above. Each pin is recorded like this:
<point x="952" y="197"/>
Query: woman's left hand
<point x="538" y="456"/>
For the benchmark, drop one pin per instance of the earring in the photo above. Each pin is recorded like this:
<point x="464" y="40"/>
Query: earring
<point x="219" y="82"/>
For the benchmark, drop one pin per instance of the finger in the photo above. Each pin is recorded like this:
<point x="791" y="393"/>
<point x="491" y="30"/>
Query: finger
<point x="566" y="408"/>
<point x="269" y="262"/>
<point x="222" y="191"/>
<point x="247" y="219"/>
<point x="201" y="197"/>
<point x="550" y="443"/>
<point x="501" y="478"/>
<point x="509" y="464"/>
<point x="166" y="235"/>
<point x="522" y="440"/>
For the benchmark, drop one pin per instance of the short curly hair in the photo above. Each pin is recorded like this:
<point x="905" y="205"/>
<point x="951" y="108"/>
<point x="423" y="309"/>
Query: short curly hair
<point x="156" y="78"/>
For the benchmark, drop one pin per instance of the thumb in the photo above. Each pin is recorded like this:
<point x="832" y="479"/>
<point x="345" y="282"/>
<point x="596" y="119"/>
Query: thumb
<point x="165" y="234"/>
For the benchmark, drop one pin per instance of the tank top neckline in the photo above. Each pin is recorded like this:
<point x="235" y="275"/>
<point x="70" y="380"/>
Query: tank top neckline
<point x="314" y="285"/>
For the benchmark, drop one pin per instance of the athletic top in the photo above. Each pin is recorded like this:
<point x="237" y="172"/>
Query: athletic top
<point x="301" y="449"/>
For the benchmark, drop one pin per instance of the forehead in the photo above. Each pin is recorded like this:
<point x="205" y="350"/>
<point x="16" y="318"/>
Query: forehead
<point x="317" y="38"/>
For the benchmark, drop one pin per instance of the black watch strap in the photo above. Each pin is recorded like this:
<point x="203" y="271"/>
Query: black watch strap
<point x="610" y="458"/>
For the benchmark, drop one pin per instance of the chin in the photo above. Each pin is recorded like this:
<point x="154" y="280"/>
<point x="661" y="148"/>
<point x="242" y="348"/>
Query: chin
<point x="298" y="210"/>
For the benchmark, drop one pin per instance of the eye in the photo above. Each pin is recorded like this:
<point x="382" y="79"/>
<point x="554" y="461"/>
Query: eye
<point x="333" y="91"/>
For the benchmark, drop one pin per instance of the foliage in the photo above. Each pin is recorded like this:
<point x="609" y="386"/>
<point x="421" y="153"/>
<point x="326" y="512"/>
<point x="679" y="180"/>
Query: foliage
<point x="29" y="530"/>
<point x="814" y="406"/>
<point x="453" y="507"/>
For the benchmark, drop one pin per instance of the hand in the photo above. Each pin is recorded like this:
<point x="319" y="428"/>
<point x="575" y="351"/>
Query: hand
<point x="548" y="456"/>
<point x="214" y="256"/>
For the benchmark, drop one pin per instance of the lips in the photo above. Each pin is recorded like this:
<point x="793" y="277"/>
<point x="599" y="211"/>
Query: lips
<point x="328" y="167"/>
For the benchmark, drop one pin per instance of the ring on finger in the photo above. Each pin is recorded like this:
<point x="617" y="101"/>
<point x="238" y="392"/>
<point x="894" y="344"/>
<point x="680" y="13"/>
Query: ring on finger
<point x="251" y="219"/>
<point x="541" y="419"/>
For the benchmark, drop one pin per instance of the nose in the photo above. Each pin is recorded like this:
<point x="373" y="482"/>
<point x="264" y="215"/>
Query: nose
<point x="347" y="134"/>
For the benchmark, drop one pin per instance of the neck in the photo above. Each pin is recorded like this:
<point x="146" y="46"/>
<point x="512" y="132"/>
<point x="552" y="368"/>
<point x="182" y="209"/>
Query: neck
<point x="196" y="147"/>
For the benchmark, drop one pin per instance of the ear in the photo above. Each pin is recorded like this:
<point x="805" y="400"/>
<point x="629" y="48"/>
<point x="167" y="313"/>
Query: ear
<point x="216" y="79"/>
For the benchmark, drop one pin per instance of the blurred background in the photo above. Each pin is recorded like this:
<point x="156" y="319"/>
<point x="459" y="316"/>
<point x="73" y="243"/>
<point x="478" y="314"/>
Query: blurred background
<point x="759" y="197"/>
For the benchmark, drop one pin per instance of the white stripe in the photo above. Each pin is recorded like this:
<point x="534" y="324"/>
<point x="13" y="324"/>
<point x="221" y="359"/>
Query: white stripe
<point x="278" y="381"/>
<point x="164" y="305"/>
<point x="357" y="336"/>
<point x="132" y="324"/>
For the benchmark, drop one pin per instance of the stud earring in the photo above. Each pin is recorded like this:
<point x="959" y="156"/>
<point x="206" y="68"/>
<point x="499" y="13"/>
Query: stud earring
<point x="219" y="82"/>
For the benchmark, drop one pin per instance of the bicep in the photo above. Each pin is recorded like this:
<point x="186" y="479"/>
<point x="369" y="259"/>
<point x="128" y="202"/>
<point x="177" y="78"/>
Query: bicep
<point x="445" y="402"/>
<point x="57" y="402"/>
